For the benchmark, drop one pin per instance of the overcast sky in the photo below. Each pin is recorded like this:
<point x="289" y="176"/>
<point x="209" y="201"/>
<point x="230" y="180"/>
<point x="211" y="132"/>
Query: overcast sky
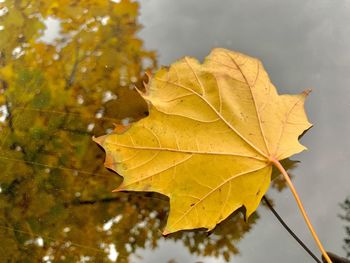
<point x="303" y="44"/>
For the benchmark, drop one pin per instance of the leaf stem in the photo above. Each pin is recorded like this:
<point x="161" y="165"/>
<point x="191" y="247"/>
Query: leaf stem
<point x="301" y="207"/>
<point x="290" y="231"/>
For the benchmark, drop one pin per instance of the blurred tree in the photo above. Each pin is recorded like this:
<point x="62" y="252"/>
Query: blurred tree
<point x="57" y="89"/>
<point x="346" y="207"/>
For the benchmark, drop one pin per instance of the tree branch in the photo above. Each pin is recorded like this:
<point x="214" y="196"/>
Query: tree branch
<point x="301" y="243"/>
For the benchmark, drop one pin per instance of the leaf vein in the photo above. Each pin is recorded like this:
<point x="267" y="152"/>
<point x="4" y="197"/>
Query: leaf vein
<point x="185" y="151"/>
<point x="215" y="189"/>
<point x="159" y="172"/>
<point x="220" y="116"/>
<point x="253" y="97"/>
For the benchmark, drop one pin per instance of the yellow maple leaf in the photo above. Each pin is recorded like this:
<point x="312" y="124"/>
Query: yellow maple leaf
<point x="213" y="133"/>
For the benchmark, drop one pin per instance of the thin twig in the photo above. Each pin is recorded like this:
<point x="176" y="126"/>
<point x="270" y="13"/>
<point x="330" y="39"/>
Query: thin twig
<point x="290" y="231"/>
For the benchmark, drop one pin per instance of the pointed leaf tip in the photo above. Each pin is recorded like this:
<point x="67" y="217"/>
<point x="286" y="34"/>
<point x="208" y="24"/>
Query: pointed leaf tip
<point x="115" y="190"/>
<point x="307" y="92"/>
<point x="99" y="140"/>
<point x="165" y="233"/>
<point x="120" y="128"/>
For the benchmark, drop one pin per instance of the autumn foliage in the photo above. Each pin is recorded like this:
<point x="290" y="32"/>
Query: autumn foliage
<point x="55" y="94"/>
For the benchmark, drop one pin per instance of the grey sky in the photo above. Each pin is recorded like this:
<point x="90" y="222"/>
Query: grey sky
<point x="303" y="44"/>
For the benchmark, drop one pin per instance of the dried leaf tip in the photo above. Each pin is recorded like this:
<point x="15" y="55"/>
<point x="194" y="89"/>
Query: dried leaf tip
<point x="306" y="92"/>
<point x="148" y="74"/>
<point x="144" y="90"/>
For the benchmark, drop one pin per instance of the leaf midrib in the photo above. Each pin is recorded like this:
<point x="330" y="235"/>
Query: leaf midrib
<point x="160" y="148"/>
